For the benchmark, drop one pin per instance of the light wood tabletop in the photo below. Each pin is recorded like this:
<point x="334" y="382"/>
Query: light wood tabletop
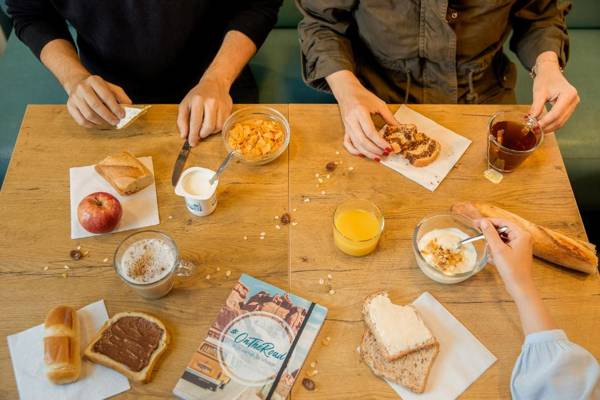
<point x="35" y="241"/>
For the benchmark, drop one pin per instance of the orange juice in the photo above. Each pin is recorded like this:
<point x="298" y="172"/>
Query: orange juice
<point x="357" y="229"/>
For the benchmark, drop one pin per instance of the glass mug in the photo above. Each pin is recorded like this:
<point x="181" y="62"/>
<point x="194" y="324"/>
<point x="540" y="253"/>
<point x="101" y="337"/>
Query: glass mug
<point x="148" y="261"/>
<point x="512" y="137"/>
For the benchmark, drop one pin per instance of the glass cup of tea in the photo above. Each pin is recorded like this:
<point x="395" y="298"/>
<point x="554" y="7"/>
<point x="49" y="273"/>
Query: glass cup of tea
<point x="512" y="137"/>
<point x="148" y="261"/>
<point x="357" y="227"/>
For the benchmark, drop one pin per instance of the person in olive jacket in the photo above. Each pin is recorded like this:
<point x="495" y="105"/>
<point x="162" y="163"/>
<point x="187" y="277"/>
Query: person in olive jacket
<point x="373" y="52"/>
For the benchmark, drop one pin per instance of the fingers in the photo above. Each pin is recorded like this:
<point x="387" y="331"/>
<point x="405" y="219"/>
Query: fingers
<point x="89" y="95"/>
<point x="122" y="97"/>
<point x="196" y="117"/>
<point x="87" y="112"/>
<point x="537" y="106"/>
<point x="387" y="115"/>
<point x="491" y="236"/>
<point x="77" y="116"/>
<point x="362" y="143"/>
<point x="108" y="97"/>
<point x="349" y="146"/>
<point x="209" y="122"/>
<point x="183" y="119"/>
<point x="367" y="126"/>
<point x="515" y="231"/>
<point x="561" y="111"/>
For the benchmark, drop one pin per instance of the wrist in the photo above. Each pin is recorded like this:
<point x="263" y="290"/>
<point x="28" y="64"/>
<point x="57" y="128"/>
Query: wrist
<point x="342" y="83"/>
<point x="546" y="62"/>
<point x="220" y="79"/>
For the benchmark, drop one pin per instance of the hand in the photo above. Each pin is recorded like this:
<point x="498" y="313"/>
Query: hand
<point x="550" y="85"/>
<point x="513" y="259"/>
<point x="356" y="106"/>
<point x="95" y="103"/>
<point x="204" y="109"/>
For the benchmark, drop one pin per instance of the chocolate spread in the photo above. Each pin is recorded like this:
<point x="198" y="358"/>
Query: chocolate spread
<point x="130" y="341"/>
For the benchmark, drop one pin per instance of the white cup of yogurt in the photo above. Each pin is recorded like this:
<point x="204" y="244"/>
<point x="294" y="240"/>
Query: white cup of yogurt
<point x="194" y="186"/>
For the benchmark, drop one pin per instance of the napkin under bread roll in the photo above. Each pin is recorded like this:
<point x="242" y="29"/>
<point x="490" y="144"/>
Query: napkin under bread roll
<point x="548" y="244"/>
<point x="125" y="173"/>
<point x="61" y="345"/>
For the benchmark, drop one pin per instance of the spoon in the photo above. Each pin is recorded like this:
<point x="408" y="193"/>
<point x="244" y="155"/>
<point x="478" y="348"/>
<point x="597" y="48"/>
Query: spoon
<point x="221" y="168"/>
<point x="502" y="229"/>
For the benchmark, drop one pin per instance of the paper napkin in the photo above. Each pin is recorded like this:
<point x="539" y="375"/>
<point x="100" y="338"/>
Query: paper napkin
<point x="453" y="147"/>
<point x="131" y="114"/>
<point x="461" y="360"/>
<point x="139" y="209"/>
<point x="27" y="354"/>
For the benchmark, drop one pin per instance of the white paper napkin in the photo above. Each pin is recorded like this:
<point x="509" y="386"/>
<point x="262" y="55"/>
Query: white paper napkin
<point x="131" y="114"/>
<point x="453" y="147"/>
<point x="27" y="354"/>
<point x="139" y="209"/>
<point x="461" y="360"/>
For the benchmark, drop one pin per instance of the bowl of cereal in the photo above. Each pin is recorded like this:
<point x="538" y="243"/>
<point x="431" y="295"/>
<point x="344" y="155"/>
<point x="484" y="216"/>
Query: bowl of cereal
<point x="256" y="135"/>
<point x="434" y="244"/>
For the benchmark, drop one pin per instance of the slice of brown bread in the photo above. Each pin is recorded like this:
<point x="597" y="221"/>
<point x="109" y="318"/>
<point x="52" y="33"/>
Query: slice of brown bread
<point x="410" y="371"/>
<point x="399" y="340"/>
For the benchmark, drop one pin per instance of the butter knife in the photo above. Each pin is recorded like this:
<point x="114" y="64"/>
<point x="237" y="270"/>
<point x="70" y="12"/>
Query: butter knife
<point x="180" y="162"/>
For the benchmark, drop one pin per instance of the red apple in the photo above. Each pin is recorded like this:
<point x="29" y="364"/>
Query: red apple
<point x="99" y="212"/>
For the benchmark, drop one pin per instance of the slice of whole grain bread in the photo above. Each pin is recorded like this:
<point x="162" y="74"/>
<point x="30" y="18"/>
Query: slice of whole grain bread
<point x="410" y="371"/>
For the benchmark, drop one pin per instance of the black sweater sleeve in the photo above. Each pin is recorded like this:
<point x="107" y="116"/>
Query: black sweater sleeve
<point x="37" y="22"/>
<point x="255" y="19"/>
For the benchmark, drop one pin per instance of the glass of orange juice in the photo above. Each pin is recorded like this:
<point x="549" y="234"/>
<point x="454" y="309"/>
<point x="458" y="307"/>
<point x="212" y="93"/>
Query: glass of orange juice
<point x="357" y="227"/>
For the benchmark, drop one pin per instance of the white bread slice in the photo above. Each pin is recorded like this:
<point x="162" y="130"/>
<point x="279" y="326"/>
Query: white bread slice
<point x="125" y="173"/>
<point x="410" y="371"/>
<point x="399" y="330"/>
<point x="145" y="374"/>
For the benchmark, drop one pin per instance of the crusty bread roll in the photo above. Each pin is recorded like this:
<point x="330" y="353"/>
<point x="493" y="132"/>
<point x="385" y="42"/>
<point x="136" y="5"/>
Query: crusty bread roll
<point x="547" y="244"/>
<point x="130" y="343"/>
<point x="61" y="345"/>
<point x="125" y="173"/>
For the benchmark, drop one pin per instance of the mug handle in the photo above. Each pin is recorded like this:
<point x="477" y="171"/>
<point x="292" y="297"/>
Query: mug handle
<point x="185" y="269"/>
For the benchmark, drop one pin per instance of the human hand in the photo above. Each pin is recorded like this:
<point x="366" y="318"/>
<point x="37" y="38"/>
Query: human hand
<point x="357" y="104"/>
<point x="94" y="102"/>
<point x="512" y="259"/>
<point x="550" y="85"/>
<point x="204" y="109"/>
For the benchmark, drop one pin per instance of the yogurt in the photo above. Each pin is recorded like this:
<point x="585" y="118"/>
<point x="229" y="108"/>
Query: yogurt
<point x="200" y="196"/>
<point x="438" y="248"/>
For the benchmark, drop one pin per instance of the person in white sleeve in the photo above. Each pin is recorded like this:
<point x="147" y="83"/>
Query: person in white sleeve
<point x="549" y="366"/>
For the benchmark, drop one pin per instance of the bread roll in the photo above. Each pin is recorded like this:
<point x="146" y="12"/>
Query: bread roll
<point x="125" y="173"/>
<point x="549" y="245"/>
<point x="61" y="345"/>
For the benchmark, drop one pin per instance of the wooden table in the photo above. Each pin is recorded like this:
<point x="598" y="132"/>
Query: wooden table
<point x="34" y="234"/>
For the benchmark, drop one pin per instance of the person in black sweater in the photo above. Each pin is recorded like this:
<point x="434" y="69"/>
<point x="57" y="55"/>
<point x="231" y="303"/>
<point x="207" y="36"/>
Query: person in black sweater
<point x="191" y="52"/>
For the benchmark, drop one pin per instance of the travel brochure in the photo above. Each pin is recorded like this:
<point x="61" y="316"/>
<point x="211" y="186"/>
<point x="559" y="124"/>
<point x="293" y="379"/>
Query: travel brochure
<point x="256" y="346"/>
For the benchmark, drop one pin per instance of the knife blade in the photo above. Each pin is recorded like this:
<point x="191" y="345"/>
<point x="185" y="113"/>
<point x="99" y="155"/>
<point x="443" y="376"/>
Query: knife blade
<point x="180" y="162"/>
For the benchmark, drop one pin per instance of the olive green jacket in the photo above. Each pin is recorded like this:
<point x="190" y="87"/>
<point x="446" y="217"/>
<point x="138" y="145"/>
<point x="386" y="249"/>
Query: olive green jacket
<point x="429" y="51"/>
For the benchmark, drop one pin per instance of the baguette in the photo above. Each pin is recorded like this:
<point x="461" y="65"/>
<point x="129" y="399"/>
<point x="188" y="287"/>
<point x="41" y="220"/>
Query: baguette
<point x="399" y="330"/>
<point x="125" y="173"/>
<point x="548" y="244"/>
<point x="410" y="371"/>
<point x="147" y="337"/>
<point x="61" y="345"/>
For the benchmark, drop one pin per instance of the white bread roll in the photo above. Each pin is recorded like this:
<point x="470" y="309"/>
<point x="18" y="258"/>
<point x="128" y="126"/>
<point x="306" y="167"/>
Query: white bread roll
<point x="61" y="345"/>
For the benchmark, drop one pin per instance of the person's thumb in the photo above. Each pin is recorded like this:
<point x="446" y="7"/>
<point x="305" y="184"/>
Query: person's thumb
<point x="537" y="106"/>
<point x="491" y="235"/>
<point x="387" y="115"/>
